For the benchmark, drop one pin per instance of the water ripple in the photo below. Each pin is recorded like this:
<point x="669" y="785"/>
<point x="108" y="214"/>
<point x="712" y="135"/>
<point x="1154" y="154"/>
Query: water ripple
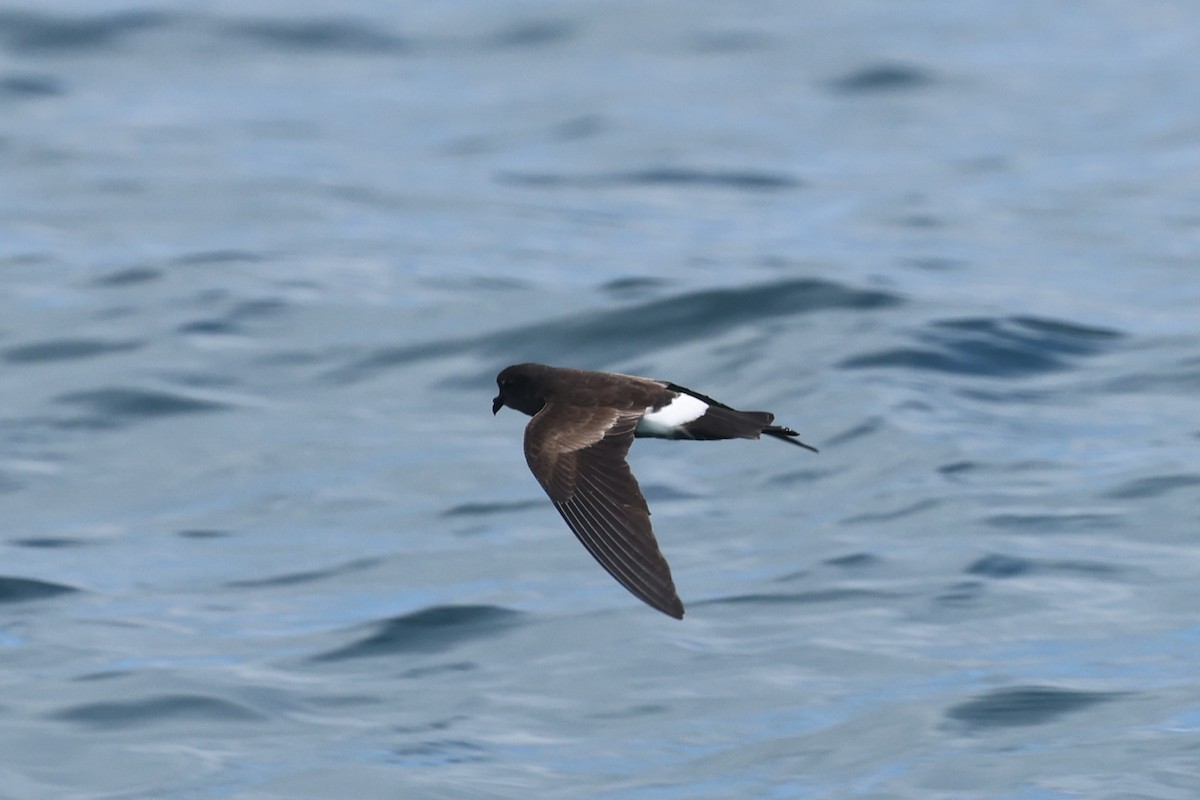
<point x="998" y="347"/>
<point x="743" y="180"/>
<point x="50" y="542"/>
<point x="156" y="710"/>
<point x="1053" y="521"/>
<point x="63" y="350"/>
<point x="27" y="85"/>
<point x="308" y="576"/>
<point x="487" y="509"/>
<point x="20" y="590"/>
<point x="429" y="630"/>
<point x="899" y="513"/>
<point x="318" y="35"/>
<point x="31" y="32"/>
<point x="1024" y="705"/>
<point x="804" y="598"/>
<point x="235" y="320"/>
<point x="115" y="406"/>
<point x="854" y="560"/>
<point x="998" y="565"/>
<point x="882" y="78"/>
<point x="1154" y="486"/>
<point x="629" y="331"/>
<point x="202" y="258"/>
<point x="535" y="33"/>
<point x="128" y="277"/>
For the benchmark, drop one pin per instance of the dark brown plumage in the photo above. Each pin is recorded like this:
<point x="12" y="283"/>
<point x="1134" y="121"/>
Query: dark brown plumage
<point x="583" y="424"/>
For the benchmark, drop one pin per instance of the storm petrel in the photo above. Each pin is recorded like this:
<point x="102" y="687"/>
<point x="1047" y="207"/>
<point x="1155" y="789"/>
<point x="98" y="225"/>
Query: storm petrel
<point x="583" y="424"/>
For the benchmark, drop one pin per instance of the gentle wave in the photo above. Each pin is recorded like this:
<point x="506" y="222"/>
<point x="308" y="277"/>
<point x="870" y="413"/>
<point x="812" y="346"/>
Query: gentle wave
<point x="117" y="406"/>
<point x="429" y="630"/>
<point x="1024" y="705"/>
<point x="64" y="350"/>
<point x="20" y="590"/>
<point x="604" y="336"/>
<point x="167" y="708"/>
<point x="998" y="565"/>
<point x="743" y="180"/>
<point x="30" y="32"/>
<point x="307" y="576"/>
<point x="882" y="78"/>
<point x="993" y="346"/>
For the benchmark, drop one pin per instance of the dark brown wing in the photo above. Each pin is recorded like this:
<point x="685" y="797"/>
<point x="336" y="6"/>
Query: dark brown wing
<point x="578" y="456"/>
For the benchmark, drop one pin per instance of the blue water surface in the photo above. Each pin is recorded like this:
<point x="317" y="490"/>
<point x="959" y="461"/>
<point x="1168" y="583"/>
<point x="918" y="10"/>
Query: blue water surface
<point x="259" y="266"/>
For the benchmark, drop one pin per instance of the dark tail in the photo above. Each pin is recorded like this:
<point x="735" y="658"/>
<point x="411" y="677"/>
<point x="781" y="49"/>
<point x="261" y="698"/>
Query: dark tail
<point x="720" y="422"/>
<point x="723" y="422"/>
<point x="787" y="435"/>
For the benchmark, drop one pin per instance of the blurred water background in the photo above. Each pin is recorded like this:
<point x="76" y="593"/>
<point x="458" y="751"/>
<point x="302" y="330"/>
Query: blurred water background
<point x="262" y="538"/>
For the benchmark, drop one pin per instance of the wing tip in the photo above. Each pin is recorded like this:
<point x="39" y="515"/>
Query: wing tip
<point x="668" y="604"/>
<point x="664" y="603"/>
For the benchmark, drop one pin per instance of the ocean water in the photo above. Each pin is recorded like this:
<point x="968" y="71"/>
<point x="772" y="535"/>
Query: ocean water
<point x="262" y="537"/>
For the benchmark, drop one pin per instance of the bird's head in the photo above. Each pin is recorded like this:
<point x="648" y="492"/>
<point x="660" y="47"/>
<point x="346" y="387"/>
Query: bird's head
<point x="520" y="389"/>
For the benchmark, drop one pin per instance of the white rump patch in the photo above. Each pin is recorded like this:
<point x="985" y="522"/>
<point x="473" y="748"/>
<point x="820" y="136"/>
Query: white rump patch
<point x="665" y="422"/>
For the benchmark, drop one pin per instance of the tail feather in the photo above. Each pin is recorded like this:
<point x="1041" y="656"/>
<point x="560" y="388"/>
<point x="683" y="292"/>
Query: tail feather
<point x="787" y="435"/>
<point x="722" y="422"/>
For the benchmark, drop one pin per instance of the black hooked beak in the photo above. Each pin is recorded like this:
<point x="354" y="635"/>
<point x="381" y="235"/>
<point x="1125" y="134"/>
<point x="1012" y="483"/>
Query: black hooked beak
<point x="497" y="404"/>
